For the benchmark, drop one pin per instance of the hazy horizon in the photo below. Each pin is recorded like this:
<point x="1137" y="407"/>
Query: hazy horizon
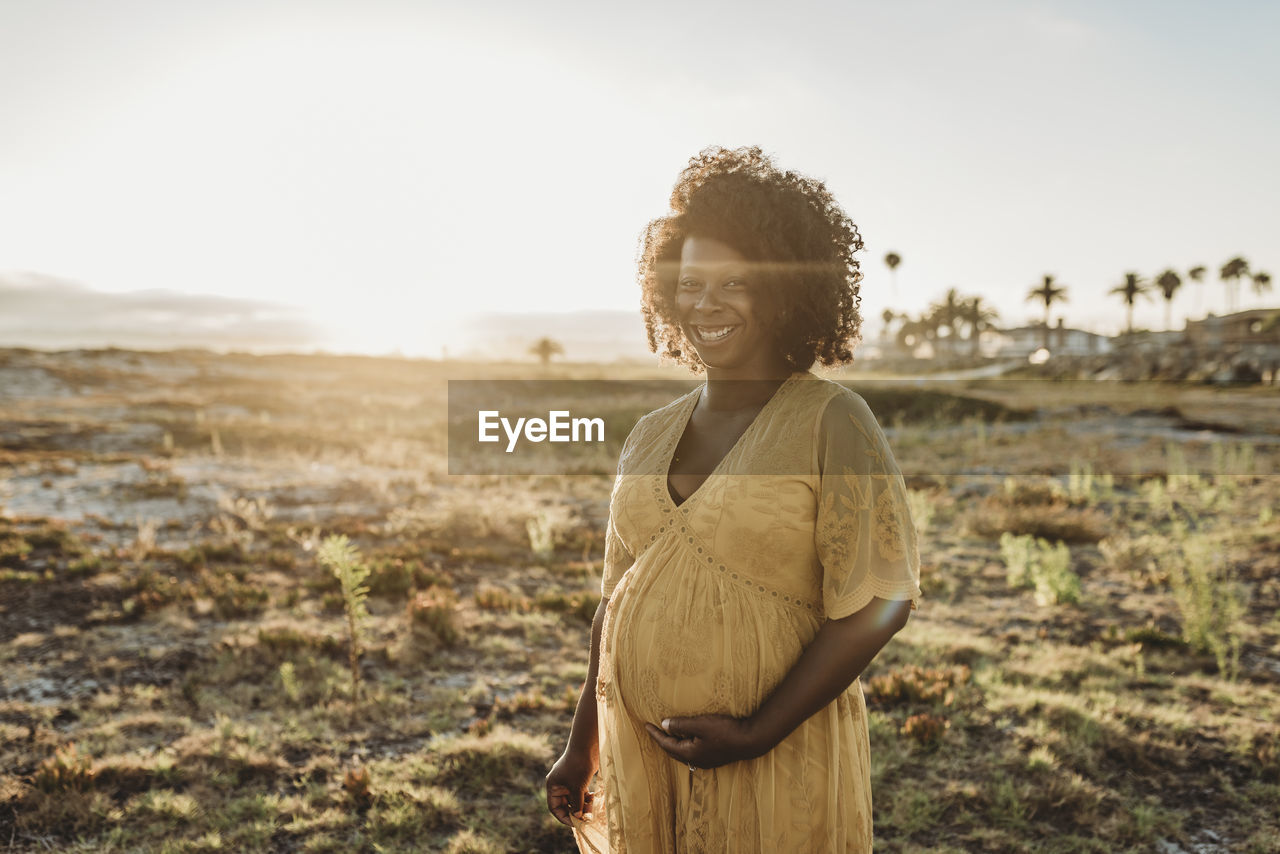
<point x="64" y="316"/>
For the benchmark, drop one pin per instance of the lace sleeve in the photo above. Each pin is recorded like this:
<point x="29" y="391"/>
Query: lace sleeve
<point x="864" y="535"/>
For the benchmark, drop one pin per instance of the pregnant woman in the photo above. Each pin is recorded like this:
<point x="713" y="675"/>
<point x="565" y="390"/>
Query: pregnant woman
<point x="759" y="550"/>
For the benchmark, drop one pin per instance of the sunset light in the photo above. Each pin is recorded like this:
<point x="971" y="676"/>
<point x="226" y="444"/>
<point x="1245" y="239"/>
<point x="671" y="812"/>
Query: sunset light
<point x="371" y="163"/>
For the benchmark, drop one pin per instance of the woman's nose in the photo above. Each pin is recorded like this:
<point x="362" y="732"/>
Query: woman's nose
<point x="707" y="299"/>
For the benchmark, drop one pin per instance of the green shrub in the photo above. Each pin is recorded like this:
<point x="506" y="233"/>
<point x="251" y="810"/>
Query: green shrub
<point x="1212" y="604"/>
<point x="341" y="558"/>
<point x="922" y="509"/>
<point x="546" y="529"/>
<point x="1086" y="487"/>
<point x="289" y="681"/>
<point x="1033" y="562"/>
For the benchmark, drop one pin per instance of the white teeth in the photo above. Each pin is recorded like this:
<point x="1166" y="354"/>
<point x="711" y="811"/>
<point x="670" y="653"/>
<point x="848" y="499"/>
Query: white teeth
<point x="714" y="333"/>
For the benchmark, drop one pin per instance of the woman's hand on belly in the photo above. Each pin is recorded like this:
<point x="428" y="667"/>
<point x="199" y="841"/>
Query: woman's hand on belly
<point x="708" y="741"/>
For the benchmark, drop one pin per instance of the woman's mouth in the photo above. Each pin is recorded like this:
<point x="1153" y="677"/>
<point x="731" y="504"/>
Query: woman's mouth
<point x="714" y="334"/>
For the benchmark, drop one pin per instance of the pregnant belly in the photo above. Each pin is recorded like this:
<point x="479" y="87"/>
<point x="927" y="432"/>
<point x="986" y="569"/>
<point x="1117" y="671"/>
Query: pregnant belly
<point x="682" y="642"/>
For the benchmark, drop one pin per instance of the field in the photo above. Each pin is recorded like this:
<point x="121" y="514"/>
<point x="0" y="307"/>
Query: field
<point x="1094" y="667"/>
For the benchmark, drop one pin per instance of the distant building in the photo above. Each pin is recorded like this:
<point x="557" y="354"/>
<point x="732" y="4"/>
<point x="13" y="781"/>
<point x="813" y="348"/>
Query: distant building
<point x="1255" y="327"/>
<point x="1021" y="341"/>
<point x="1153" y="340"/>
<point x="887" y="347"/>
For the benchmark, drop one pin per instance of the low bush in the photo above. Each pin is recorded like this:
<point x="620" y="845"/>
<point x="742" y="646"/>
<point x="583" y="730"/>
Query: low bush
<point x="489" y="597"/>
<point x="581" y="605"/>
<point x="1211" y="601"/>
<point x="914" y="684"/>
<point x="1139" y="557"/>
<point x="434" y="610"/>
<point x="1034" y="562"/>
<point x="66" y="770"/>
<point x="925" y="728"/>
<point x="1038" y="509"/>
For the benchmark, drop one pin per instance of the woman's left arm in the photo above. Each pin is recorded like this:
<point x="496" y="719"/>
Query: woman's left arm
<point x="839" y="653"/>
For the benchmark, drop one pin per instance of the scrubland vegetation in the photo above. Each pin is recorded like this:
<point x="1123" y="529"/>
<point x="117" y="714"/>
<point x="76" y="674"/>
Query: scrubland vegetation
<point x="193" y="658"/>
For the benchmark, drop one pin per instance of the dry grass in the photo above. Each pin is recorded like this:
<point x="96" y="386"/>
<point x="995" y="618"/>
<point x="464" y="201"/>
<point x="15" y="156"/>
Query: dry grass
<point x="175" y="662"/>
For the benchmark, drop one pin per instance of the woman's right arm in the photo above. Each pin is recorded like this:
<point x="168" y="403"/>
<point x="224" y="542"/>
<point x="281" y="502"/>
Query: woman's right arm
<point x="567" y="783"/>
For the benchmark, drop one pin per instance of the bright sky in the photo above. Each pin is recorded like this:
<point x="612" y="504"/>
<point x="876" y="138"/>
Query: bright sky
<point x="393" y="166"/>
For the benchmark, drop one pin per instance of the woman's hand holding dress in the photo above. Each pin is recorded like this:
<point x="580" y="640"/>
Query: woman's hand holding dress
<point x="567" y="782"/>
<point x="567" y="792"/>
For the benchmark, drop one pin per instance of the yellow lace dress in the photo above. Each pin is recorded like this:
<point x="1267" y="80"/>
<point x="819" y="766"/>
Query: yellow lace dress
<point x="712" y="601"/>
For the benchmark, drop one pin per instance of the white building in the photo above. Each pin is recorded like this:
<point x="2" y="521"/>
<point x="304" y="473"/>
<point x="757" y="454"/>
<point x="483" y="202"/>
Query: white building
<point x="1022" y="341"/>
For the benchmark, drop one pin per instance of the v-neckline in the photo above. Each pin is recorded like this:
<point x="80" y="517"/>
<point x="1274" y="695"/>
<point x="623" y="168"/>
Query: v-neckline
<point x="668" y="491"/>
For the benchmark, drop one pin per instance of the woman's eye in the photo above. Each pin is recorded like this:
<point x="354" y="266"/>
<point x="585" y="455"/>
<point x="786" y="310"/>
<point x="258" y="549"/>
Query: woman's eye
<point x="688" y="284"/>
<point x="735" y="283"/>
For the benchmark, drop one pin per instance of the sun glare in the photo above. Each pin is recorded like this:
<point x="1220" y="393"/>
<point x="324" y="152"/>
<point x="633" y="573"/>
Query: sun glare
<point x="380" y="177"/>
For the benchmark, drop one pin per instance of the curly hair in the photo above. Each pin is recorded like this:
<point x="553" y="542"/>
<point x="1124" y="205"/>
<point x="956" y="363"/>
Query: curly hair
<point x="788" y="226"/>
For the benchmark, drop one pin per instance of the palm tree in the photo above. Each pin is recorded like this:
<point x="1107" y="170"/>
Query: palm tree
<point x="910" y="334"/>
<point x="1261" y="282"/>
<point x="892" y="260"/>
<point x="948" y="313"/>
<point x="979" y="317"/>
<point x="1168" y="282"/>
<point x="1132" y="288"/>
<point x="545" y="348"/>
<point x="934" y="323"/>
<point x="913" y="333"/>
<point x="888" y="316"/>
<point x="928" y="326"/>
<point x="1049" y="292"/>
<point x="1231" y="274"/>
<point x="1196" y="274"/>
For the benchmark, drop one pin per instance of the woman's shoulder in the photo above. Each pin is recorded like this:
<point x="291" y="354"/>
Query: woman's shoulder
<point x="660" y="419"/>
<point x="651" y="429"/>
<point x="840" y="413"/>
<point x="830" y="401"/>
<point x="794" y="430"/>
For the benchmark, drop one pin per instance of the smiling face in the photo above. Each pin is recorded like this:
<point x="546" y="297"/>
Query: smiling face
<point x="723" y="311"/>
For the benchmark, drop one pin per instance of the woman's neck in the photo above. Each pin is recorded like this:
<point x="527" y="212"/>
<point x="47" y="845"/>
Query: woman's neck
<point x="744" y="387"/>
